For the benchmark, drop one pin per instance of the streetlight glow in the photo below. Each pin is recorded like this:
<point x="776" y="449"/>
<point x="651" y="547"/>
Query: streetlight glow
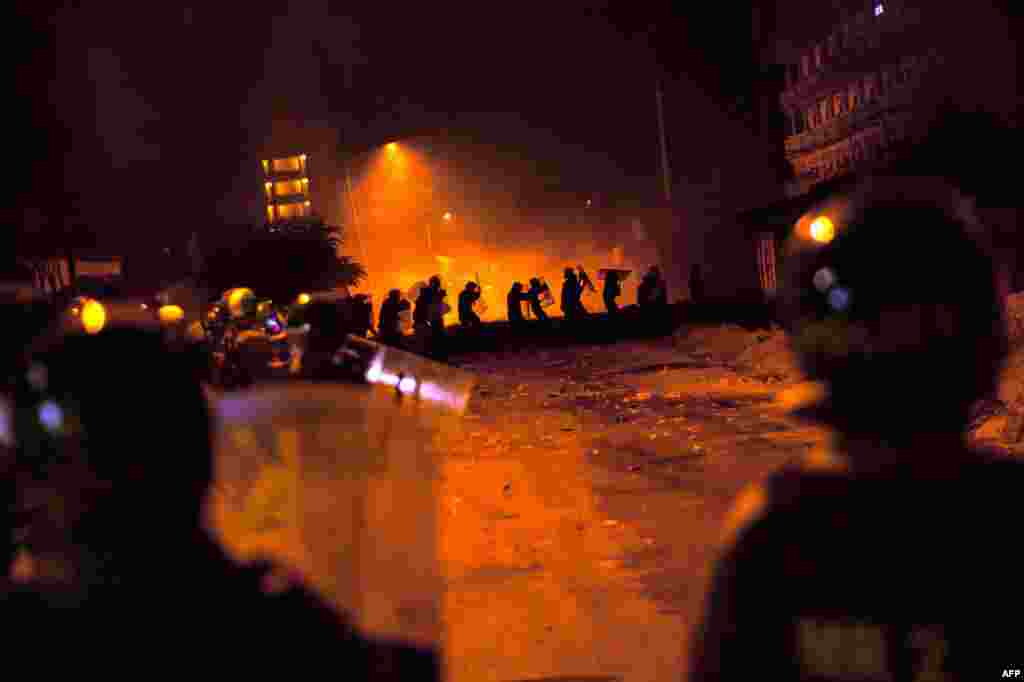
<point x="822" y="230"/>
<point x="447" y="215"/>
<point x="94" y="316"/>
<point x="391" y="147"/>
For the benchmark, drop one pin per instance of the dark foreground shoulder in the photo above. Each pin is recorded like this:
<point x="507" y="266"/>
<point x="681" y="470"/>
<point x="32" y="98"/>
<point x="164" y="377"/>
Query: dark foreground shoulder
<point x="317" y="626"/>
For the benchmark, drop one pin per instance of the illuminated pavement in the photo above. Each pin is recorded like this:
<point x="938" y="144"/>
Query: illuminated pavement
<point x="581" y="499"/>
<point x="578" y="501"/>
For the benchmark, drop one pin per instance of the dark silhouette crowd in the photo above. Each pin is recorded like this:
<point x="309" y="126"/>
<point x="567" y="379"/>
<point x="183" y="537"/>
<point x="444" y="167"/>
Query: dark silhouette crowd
<point x="524" y="305"/>
<point x="107" y="463"/>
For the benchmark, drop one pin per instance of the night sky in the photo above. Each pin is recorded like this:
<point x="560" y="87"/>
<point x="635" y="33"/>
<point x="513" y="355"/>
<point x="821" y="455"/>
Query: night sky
<point x="147" y="115"/>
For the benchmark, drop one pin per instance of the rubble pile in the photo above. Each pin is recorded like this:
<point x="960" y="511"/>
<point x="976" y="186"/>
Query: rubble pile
<point x="770" y="358"/>
<point x="724" y="343"/>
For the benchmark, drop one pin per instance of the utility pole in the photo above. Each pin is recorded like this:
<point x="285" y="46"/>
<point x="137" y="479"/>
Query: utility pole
<point x="666" y="174"/>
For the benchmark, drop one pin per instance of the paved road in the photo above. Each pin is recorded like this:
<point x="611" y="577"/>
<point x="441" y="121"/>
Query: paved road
<point x="581" y="501"/>
<point x="574" y="509"/>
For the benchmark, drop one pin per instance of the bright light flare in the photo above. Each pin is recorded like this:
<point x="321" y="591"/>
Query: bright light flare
<point x="6" y="424"/>
<point x="51" y="416"/>
<point x="448" y="216"/>
<point x="237" y="298"/>
<point x="169" y="314"/>
<point x="392" y="148"/>
<point x="822" y="230"/>
<point x="304" y="299"/>
<point x="94" y="317"/>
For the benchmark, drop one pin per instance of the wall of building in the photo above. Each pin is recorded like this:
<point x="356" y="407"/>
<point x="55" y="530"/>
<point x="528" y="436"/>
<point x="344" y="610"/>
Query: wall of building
<point x="874" y="79"/>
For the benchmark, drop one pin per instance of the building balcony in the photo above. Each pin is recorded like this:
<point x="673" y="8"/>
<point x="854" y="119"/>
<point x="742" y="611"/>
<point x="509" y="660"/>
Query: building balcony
<point x="289" y="199"/>
<point x="834" y="131"/>
<point x="279" y="212"/>
<point x="288" y="167"/>
<point x="899" y="97"/>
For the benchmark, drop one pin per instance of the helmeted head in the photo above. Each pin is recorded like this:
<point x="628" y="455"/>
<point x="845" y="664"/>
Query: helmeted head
<point x="394" y="295"/>
<point x="535" y="282"/>
<point x="890" y="299"/>
<point x="470" y="286"/>
<point x="517" y="286"/>
<point x="435" y="282"/>
<point x="109" y="427"/>
<point x="570" y="273"/>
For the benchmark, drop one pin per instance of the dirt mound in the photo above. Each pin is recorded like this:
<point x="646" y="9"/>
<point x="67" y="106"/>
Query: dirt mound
<point x="760" y="353"/>
<point x="770" y="356"/>
<point x="724" y="343"/>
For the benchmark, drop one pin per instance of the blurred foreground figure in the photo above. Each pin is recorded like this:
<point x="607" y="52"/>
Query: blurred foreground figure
<point x="112" y="468"/>
<point x="884" y="557"/>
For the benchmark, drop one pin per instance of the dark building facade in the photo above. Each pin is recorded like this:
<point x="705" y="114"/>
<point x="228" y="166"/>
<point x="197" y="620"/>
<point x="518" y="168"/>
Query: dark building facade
<point x="865" y="82"/>
<point x="855" y="93"/>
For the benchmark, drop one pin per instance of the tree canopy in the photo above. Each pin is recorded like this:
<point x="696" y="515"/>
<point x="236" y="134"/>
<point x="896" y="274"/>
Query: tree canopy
<point x="281" y="260"/>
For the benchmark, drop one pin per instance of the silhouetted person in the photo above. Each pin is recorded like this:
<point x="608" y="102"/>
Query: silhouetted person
<point x="467" y="298"/>
<point x="436" y="346"/>
<point x="535" y="293"/>
<point x="696" y="284"/>
<point x="425" y="303"/>
<point x="840" y="567"/>
<point x="27" y="312"/>
<point x="585" y="282"/>
<point x="390" y="324"/>
<point x="112" y="475"/>
<point x="515" y="299"/>
<point x="362" y="315"/>
<point x="660" y="295"/>
<point x="572" y="289"/>
<point x="645" y="292"/>
<point x="612" y="290"/>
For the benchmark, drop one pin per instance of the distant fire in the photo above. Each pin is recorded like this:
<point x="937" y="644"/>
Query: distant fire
<point x="415" y="216"/>
<point x="496" y="270"/>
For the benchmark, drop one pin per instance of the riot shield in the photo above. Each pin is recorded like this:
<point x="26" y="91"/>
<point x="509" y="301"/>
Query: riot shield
<point x="339" y="481"/>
